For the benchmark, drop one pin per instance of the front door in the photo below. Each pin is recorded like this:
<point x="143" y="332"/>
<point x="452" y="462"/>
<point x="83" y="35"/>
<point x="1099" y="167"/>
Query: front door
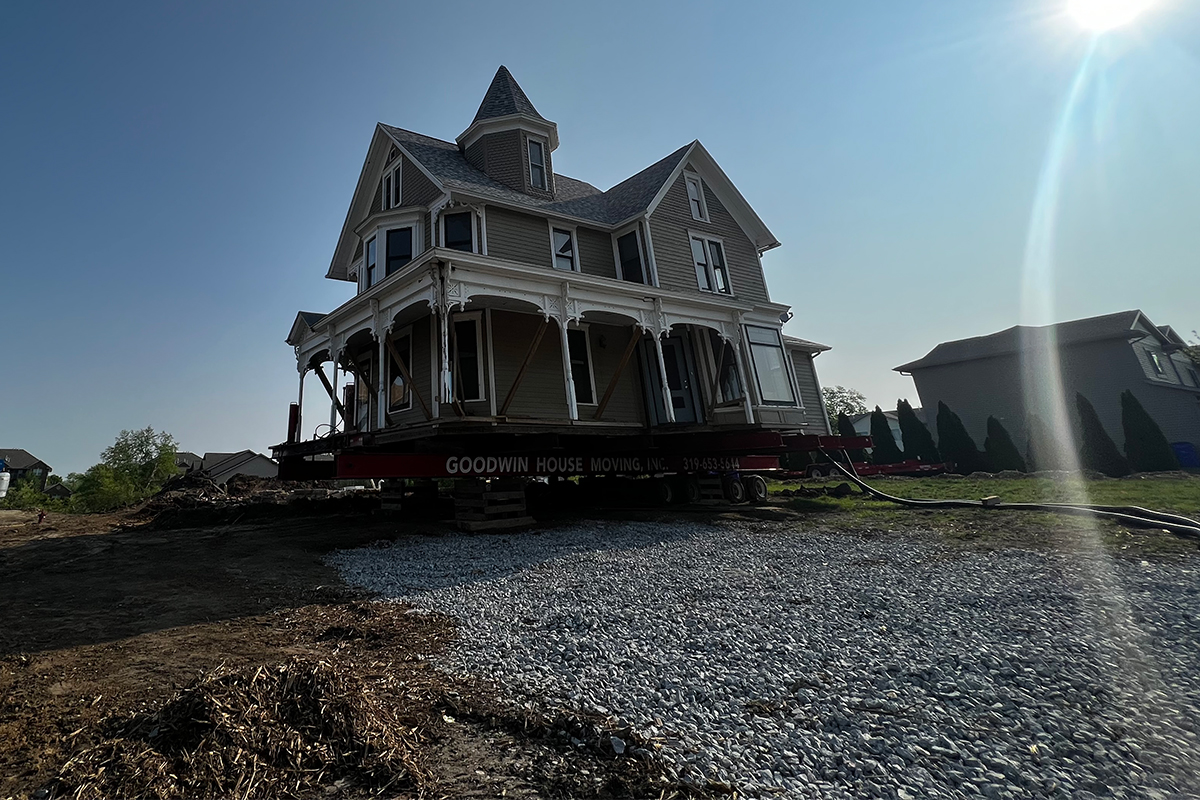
<point x="681" y="380"/>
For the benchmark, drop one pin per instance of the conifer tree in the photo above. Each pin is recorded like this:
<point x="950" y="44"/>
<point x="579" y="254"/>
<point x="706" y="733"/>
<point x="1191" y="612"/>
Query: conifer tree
<point x="885" y="450"/>
<point x="918" y="441"/>
<point x="846" y="428"/>
<point x="956" y="445"/>
<point x="1002" y="454"/>
<point x="1097" y="451"/>
<point x="1145" y="445"/>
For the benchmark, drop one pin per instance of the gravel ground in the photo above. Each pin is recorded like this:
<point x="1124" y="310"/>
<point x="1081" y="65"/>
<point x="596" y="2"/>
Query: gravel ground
<point x="806" y="663"/>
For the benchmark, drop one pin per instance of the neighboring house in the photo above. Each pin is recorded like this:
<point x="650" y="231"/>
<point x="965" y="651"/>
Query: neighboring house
<point x="495" y="294"/>
<point x="22" y="464"/>
<point x="862" y="426"/>
<point x="59" y="491"/>
<point x="188" y="462"/>
<point x="220" y="467"/>
<point x="1099" y="357"/>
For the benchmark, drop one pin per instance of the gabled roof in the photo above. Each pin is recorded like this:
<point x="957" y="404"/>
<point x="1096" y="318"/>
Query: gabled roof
<point x="504" y="98"/>
<point x="1121" y="325"/>
<point x="305" y="321"/>
<point x="21" y="459"/>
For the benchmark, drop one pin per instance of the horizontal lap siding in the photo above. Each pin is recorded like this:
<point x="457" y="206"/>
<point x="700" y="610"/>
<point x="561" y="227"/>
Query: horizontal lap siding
<point x="518" y="237"/>
<point x="625" y="405"/>
<point x="542" y="393"/>
<point x="669" y="225"/>
<point x="502" y="159"/>
<point x="417" y="189"/>
<point x="810" y="392"/>
<point x="596" y="253"/>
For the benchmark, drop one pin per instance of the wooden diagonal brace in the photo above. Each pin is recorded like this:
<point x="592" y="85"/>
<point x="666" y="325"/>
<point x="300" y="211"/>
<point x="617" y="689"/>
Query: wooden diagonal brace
<point x="332" y="395"/>
<point x="412" y="386"/>
<point x="533" y="346"/>
<point x="634" y="338"/>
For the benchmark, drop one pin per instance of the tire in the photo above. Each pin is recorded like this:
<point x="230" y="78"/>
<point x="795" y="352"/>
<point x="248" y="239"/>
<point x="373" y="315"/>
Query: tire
<point x="693" y="489"/>
<point x="735" y="491"/>
<point x="815" y="471"/>
<point x="756" y="489"/>
<point x="665" y="492"/>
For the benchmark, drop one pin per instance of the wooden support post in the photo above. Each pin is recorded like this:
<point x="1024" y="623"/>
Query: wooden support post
<point x="634" y="338"/>
<point x="445" y="390"/>
<point x="455" y="375"/>
<point x="337" y="404"/>
<point x="668" y="406"/>
<point x="533" y="346"/>
<point x="716" y="387"/>
<point x="737" y="357"/>
<point x="568" y="378"/>
<point x="381" y="397"/>
<point x="412" y="387"/>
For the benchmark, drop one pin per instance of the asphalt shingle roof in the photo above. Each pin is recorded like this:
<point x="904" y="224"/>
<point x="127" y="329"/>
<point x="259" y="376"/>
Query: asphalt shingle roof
<point x="20" y="459"/>
<point x="504" y="97"/>
<point x="1019" y="337"/>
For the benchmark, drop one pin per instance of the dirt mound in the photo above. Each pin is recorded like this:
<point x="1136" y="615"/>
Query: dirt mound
<point x="272" y="731"/>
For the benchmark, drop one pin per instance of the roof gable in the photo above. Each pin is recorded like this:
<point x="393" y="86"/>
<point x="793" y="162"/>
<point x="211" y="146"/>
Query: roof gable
<point x="504" y="98"/>
<point x="21" y="459"/>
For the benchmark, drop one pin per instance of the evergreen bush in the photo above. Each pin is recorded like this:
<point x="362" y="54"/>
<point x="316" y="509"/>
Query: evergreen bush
<point x="1145" y="445"/>
<point x="884" y="449"/>
<point x="956" y="445"/>
<point x="918" y="441"/>
<point x="1042" y="451"/>
<point x="1097" y="451"/>
<point x="1001" y="452"/>
<point x="846" y="428"/>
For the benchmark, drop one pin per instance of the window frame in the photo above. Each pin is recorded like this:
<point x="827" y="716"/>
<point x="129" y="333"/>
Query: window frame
<point x="391" y="185"/>
<point x="708" y="240"/>
<point x="584" y="328"/>
<point x="470" y="212"/>
<point x="370" y="260"/>
<point x="572" y="230"/>
<point x="530" y="141"/>
<point x="693" y="179"/>
<point x="477" y="318"/>
<point x="390" y="377"/>
<point x="648" y="276"/>
<point x="794" y="402"/>
<point x="412" y="248"/>
<point x="1156" y="362"/>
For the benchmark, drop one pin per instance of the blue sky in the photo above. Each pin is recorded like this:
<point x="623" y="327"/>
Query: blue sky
<point x="175" y="175"/>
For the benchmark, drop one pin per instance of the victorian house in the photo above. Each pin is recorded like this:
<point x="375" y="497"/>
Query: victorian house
<point x="495" y="294"/>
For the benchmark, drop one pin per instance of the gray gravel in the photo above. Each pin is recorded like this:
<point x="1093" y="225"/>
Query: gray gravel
<point x="807" y="663"/>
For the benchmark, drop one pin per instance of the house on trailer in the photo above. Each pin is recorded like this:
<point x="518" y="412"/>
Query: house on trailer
<point x="495" y="294"/>
<point x="23" y="465"/>
<point x="1000" y="375"/>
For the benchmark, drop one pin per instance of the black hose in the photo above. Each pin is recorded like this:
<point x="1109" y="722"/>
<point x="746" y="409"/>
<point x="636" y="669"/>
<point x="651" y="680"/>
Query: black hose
<point x="1129" y="515"/>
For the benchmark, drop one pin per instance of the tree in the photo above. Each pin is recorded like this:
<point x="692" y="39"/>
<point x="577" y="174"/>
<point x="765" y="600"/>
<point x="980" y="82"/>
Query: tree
<point x="840" y="400"/>
<point x="144" y="458"/>
<point x="918" y="441"/>
<point x="846" y="428"/>
<point x="1097" y="451"/>
<point x="1002" y="454"/>
<point x="1145" y="445"/>
<point x="1042" y="450"/>
<point x="884" y="449"/>
<point x="956" y="445"/>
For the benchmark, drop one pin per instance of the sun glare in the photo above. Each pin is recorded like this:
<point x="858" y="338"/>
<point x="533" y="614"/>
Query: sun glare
<point x="1104" y="15"/>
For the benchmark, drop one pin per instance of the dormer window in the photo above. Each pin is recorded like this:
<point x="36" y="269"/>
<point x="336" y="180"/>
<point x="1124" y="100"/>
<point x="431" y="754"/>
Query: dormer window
<point x="391" y="186"/>
<point x="695" y="192"/>
<point x="1156" y="362"/>
<point x="537" y="164"/>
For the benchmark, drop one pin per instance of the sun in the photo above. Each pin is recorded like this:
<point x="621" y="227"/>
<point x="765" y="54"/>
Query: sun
<point x="1104" y="15"/>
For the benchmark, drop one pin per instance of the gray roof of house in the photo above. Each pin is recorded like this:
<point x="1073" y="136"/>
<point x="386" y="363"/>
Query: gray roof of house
<point x="1021" y="337"/>
<point x="311" y="318"/>
<point x="504" y="97"/>
<point x="573" y="198"/>
<point x="21" y="459"/>
<point x="797" y="343"/>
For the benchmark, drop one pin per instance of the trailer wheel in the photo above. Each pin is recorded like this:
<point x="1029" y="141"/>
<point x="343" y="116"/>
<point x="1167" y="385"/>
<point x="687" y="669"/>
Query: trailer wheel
<point x="756" y="489"/>
<point x="735" y="492"/>
<point x="693" y="489"/>
<point x="815" y="471"/>
<point x="665" y="491"/>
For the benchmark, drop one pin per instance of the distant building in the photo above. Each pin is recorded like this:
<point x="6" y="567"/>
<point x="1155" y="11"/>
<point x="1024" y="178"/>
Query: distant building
<point x="1099" y="357"/>
<point x="22" y="464"/>
<point x="862" y="426"/>
<point x="59" y="490"/>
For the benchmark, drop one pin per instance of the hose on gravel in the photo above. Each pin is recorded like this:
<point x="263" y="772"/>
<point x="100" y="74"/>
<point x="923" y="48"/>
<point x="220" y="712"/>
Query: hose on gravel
<point x="1134" y="516"/>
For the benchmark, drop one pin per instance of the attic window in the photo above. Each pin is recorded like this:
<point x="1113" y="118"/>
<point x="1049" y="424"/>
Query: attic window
<point x="1156" y="362"/>
<point x="695" y="191"/>
<point x="391" y="186"/>
<point x="537" y="165"/>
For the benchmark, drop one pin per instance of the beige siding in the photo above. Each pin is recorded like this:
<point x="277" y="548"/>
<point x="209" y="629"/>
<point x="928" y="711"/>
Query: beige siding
<point x="596" y="253"/>
<point x="518" y="237"/>
<point x="608" y="345"/>
<point x="542" y="392"/>
<point x="810" y="393"/>
<point x="417" y="189"/>
<point x="669" y="226"/>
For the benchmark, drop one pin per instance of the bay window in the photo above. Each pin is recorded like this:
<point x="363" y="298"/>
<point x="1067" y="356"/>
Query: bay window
<point x="458" y="231"/>
<point x="766" y="351"/>
<point x="399" y="249"/>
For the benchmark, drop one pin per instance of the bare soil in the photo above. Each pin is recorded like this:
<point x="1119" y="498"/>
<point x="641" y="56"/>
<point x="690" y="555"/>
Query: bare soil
<point x="104" y="617"/>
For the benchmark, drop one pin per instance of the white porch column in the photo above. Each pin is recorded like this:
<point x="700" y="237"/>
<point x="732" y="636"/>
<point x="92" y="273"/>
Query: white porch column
<point x="333" y="413"/>
<point x="384" y="383"/>
<point x="741" y="368"/>
<point x="447" y="381"/>
<point x="572" y="405"/>
<point x="662" y="376"/>
<point x="300" y="407"/>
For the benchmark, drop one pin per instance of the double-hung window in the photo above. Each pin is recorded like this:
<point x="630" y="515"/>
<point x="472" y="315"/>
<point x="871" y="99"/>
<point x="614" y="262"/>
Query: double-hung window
<point x="579" y="349"/>
<point x="391" y="186"/>
<point x="370" y="263"/>
<point x="399" y="390"/>
<point x="468" y="358"/>
<point x="537" y="164"/>
<point x="712" y="275"/>
<point x="695" y="192"/>
<point x="399" y="249"/>
<point x="457" y="233"/>
<point x="564" y="249"/>
<point x="629" y="256"/>
<point x="766" y="349"/>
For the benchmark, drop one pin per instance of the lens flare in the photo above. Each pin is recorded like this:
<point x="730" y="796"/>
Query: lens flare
<point x="1104" y="15"/>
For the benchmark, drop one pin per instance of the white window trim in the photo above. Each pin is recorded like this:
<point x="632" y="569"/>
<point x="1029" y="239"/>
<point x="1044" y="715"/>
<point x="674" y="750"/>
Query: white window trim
<point x="706" y="238"/>
<point x="449" y="212"/>
<point x="477" y="316"/>
<point x="363" y="276"/>
<point x="392" y="337"/>
<point x="693" y="178"/>
<point x="540" y="142"/>
<point x="587" y="339"/>
<point x="571" y="229"/>
<point x="395" y="174"/>
<point x="407" y="219"/>
<point x="795" y="402"/>
<point x="636" y="228"/>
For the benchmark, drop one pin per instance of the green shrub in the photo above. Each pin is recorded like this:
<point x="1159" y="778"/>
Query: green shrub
<point x="918" y="441"/>
<point x="956" y="445"/>
<point x="1145" y="445"/>
<point x="1097" y="451"/>
<point x="884" y="449"/>
<point x="1002" y="454"/>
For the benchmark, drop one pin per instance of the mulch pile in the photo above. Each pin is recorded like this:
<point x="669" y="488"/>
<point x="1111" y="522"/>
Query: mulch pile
<point x="272" y="731"/>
